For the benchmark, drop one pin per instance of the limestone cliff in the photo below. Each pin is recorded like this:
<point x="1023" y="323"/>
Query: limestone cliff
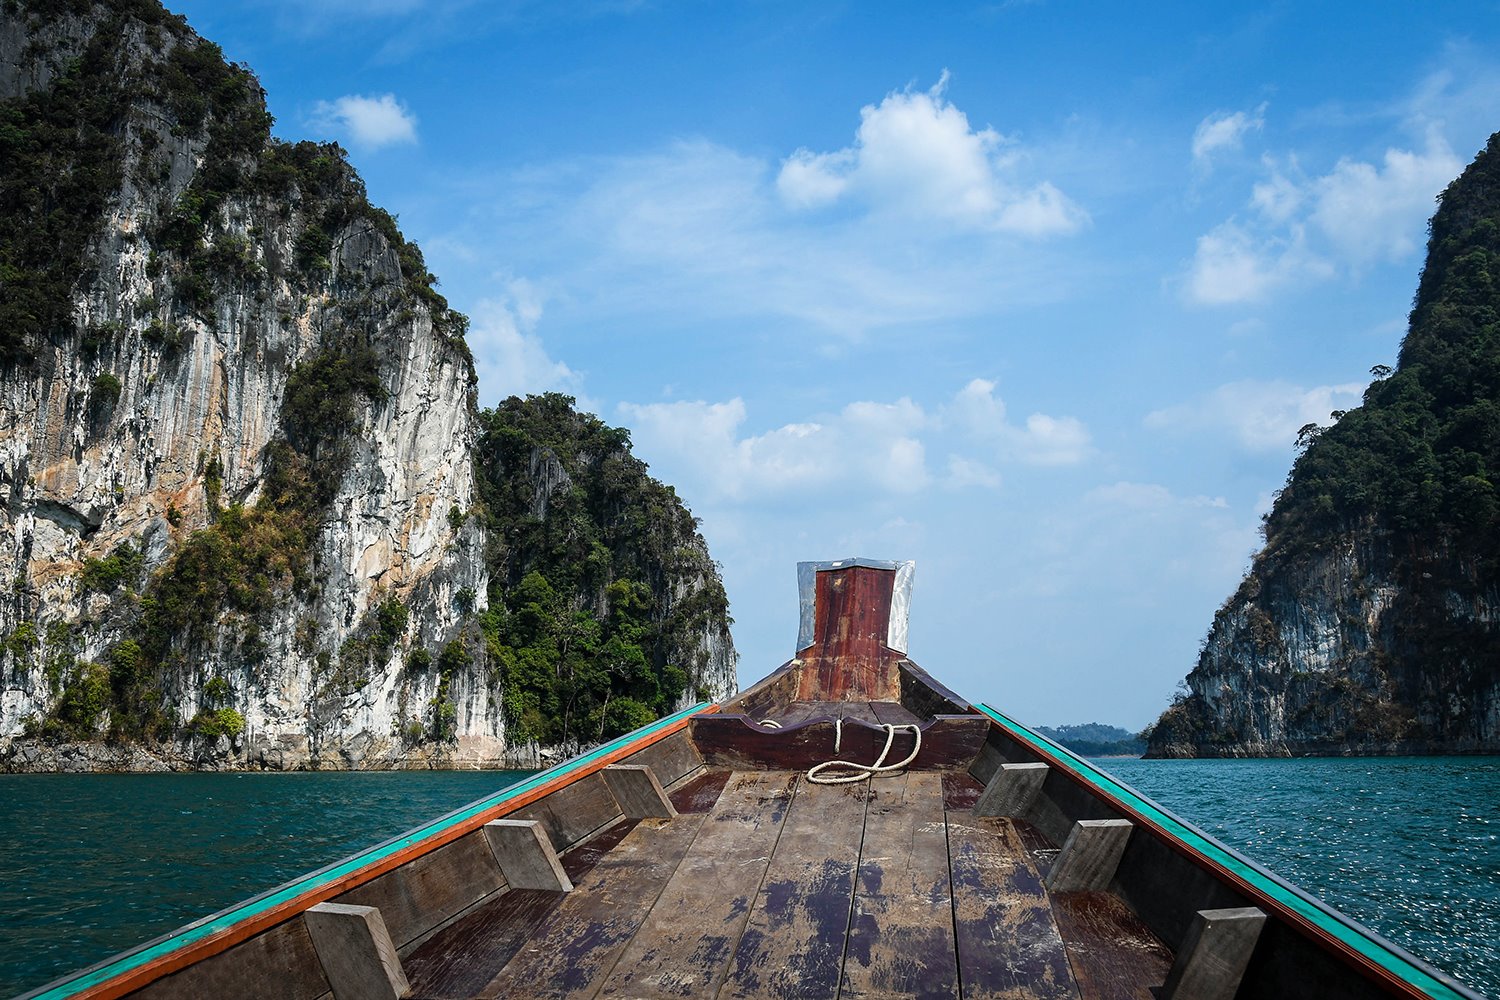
<point x="1370" y="621"/>
<point x="239" y="522"/>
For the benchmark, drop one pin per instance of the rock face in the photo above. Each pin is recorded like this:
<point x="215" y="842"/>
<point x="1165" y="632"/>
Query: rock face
<point x="1370" y="622"/>
<point x="237" y="431"/>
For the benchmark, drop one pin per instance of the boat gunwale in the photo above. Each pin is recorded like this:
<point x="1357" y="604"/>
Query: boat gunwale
<point x="130" y="970"/>
<point x="1314" y="925"/>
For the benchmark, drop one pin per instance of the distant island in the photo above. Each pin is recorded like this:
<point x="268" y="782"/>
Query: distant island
<point x="1094" y="739"/>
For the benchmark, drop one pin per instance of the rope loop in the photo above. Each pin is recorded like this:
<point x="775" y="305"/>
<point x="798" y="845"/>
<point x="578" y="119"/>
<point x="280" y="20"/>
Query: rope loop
<point x="847" y="771"/>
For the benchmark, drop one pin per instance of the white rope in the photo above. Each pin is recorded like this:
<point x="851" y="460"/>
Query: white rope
<point x="860" y="772"/>
<point x="838" y="733"/>
<point x="769" y="723"/>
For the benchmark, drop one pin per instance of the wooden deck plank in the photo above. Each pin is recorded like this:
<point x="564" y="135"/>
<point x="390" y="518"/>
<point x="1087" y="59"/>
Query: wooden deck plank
<point x="901" y="934"/>
<point x="578" y="942"/>
<point x="463" y="957"/>
<point x="960" y="790"/>
<point x="684" y="945"/>
<point x="793" y="945"/>
<point x="1008" y="943"/>
<point x="893" y="713"/>
<point x="1113" y="954"/>
<point x="699" y="793"/>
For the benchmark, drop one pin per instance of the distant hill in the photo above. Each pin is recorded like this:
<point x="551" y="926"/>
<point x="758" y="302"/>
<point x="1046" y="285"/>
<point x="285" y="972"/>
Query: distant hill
<point x="1094" y="739"/>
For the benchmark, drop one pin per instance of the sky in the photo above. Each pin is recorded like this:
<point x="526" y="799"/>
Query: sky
<point x="1035" y="293"/>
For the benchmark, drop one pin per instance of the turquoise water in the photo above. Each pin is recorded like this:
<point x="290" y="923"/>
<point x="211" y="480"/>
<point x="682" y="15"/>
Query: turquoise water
<point x="93" y="864"/>
<point x="1408" y="846"/>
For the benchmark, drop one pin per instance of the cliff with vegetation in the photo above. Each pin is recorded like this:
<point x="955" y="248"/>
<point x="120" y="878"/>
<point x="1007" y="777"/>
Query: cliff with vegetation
<point x="243" y="491"/>
<point x="1370" y="621"/>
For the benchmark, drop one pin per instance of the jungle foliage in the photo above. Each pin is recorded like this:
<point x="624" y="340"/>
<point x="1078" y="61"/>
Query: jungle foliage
<point x="588" y="556"/>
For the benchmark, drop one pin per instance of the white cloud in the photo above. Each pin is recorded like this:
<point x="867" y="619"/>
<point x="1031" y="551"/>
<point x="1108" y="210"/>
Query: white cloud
<point x="1306" y="229"/>
<point x="369" y="122"/>
<point x="965" y="472"/>
<point x="1223" y="131"/>
<point x="508" y="356"/>
<point x="1260" y="416"/>
<point x="915" y="156"/>
<point x="1232" y="264"/>
<point x="1369" y="211"/>
<point x="1041" y="440"/>
<point x="865" y="444"/>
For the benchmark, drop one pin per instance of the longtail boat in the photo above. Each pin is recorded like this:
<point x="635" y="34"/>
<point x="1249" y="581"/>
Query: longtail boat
<point x="847" y="827"/>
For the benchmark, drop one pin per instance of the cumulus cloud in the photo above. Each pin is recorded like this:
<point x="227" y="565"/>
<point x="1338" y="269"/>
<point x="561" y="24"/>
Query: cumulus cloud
<point x="1302" y="229"/>
<point x="368" y="122"/>
<point x="916" y="156"/>
<point x="1039" y="440"/>
<point x="508" y="355"/>
<point x="1222" y="131"/>
<point x="866" y="443"/>
<point x="1260" y="416"/>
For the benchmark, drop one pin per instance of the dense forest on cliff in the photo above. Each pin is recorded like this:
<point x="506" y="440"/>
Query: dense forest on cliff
<point x="589" y="618"/>
<point x="1368" y="618"/>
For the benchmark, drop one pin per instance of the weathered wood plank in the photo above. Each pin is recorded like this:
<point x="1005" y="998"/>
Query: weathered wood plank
<point x="466" y="955"/>
<point x="684" y="944"/>
<point x="280" y="964"/>
<point x="901" y="933"/>
<point x="418" y="896"/>
<point x="960" y="790"/>
<point x="793" y="944"/>
<point x="893" y="713"/>
<point x="1008" y="944"/>
<point x="699" y="793"/>
<point x="578" y="942"/>
<point x="670" y="758"/>
<point x="851" y="619"/>
<point x="948" y="743"/>
<point x="1114" y="956"/>
<point x="572" y="813"/>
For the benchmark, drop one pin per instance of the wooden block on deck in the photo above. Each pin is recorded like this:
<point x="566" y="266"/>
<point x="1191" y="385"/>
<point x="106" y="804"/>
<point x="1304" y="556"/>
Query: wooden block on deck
<point x="1007" y="942"/>
<point x="1090" y="856"/>
<point x="639" y="794"/>
<point x="901" y="932"/>
<point x="1011" y="790"/>
<point x="356" y="952"/>
<point x="525" y="855"/>
<point x="1214" y="954"/>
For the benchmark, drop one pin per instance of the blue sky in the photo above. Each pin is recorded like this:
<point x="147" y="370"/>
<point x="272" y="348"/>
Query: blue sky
<point x="1035" y="293"/>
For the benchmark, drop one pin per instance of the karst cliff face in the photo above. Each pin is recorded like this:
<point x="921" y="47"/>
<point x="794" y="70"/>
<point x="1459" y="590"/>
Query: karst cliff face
<point x="1370" y="622"/>
<point x="237" y="432"/>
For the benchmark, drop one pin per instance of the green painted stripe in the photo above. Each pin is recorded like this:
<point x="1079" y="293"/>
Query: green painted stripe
<point x="1388" y="956"/>
<point x="225" y="919"/>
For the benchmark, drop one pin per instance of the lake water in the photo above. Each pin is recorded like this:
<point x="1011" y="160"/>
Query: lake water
<point x="93" y="864"/>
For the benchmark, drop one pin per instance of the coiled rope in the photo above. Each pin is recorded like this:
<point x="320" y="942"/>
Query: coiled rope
<point x="852" y="771"/>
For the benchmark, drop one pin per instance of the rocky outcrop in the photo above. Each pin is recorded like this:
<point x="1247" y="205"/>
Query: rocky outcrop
<point x="240" y="522"/>
<point x="158" y="406"/>
<point x="1370" y="622"/>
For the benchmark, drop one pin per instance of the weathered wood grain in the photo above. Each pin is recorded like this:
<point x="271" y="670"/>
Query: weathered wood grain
<point x="684" y="945"/>
<point x="570" y="814"/>
<point x="893" y="713"/>
<point x="1007" y="941"/>
<point x="925" y="696"/>
<point x="699" y="793"/>
<point x="901" y="931"/>
<point x="419" y="896"/>
<point x="849" y="660"/>
<point x="948" y="743"/>
<point x="578" y="942"/>
<point x="280" y="964"/>
<point x="960" y="790"/>
<point x="793" y="944"/>
<point x="1114" y="956"/>
<point x="670" y="758"/>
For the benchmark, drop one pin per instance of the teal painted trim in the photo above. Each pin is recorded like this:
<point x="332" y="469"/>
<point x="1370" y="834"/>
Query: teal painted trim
<point x="1388" y="956"/>
<point x="225" y="919"/>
